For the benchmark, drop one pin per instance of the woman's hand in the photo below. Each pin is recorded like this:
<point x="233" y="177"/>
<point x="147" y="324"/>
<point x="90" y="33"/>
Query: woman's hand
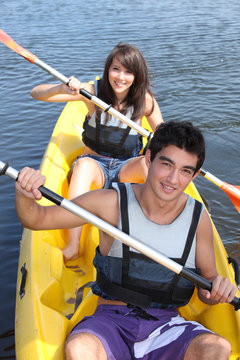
<point x="74" y="85"/>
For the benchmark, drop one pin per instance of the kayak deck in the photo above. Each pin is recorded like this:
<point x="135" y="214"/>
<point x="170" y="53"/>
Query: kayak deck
<point x="52" y="297"/>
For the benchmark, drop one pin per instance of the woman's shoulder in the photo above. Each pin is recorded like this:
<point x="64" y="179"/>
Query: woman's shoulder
<point x="149" y="97"/>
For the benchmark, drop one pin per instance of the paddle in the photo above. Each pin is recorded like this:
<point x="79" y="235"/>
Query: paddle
<point x="232" y="191"/>
<point x="5" y="169"/>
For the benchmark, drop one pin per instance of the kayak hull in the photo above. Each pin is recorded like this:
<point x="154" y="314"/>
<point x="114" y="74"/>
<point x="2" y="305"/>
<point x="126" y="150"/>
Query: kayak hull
<point x="52" y="297"/>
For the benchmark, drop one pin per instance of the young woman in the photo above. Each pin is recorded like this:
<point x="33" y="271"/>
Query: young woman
<point x="112" y="148"/>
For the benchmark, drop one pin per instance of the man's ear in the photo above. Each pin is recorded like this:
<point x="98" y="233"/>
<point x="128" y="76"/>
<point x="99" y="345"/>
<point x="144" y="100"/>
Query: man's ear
<point x="148" y="158"/>
<point x="196" y="174"/>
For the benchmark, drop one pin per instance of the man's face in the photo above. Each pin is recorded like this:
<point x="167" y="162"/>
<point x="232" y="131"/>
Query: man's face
<point x="171" y="171"/>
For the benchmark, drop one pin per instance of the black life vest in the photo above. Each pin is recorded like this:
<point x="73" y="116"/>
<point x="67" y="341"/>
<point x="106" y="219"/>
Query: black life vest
<point x="164" y="288"/>
<point x="108" y="140"/>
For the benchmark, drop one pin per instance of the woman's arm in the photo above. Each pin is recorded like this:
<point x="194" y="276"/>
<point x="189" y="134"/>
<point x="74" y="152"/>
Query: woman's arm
<point x="154" y="117"/>
<point x="61" y="92"/>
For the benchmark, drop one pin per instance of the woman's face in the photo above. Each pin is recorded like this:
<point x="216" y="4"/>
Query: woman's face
<point x="120" y="79"/>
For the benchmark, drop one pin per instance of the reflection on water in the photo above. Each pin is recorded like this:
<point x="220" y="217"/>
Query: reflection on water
<point x="193" y="52"/>
<point x="7" y="347"/>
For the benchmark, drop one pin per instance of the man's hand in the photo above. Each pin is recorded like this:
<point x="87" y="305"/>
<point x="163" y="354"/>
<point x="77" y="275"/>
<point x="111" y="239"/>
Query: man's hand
<point x="29" y="180"/>
<point x="223" y="291"/>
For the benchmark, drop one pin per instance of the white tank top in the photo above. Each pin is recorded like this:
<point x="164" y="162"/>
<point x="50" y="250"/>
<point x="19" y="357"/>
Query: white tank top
<point x="167" y="239"/>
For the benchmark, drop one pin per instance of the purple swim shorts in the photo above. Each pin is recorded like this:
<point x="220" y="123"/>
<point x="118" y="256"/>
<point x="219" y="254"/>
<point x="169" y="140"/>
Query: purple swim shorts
<point x="133" y="333"/>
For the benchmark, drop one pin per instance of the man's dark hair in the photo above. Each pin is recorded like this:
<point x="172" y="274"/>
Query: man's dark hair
<point x="181" y="134"/>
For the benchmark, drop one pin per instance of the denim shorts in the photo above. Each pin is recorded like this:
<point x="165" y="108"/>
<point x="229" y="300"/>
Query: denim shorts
<point x="160" y="334"/>
<point x="111" y="167"/>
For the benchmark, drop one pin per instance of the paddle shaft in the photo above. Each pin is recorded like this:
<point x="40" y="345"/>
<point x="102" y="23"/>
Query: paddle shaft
<point x="211" y="177"/>
<point x="231" y="190"/>
<point x="107" y="108"/>
<point x="118" y="234"/>
<point x="9" y="42"/>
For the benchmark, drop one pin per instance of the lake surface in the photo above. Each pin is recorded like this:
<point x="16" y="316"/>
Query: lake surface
<point x="193" y="51"/>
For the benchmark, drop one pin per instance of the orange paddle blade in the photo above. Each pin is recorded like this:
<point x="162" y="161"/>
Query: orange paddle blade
<point x="233" y="192"/>
<point x="9" y="42"/>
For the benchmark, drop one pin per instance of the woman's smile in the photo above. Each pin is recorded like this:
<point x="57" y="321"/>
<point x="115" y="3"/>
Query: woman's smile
<point x="120" y="78"/>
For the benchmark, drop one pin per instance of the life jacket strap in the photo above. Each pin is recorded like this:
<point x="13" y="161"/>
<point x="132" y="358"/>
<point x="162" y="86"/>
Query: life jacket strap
<point x="118" y="292"/>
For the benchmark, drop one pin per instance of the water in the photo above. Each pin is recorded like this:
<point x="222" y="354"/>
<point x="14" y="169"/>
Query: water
<point x="193" y="50"/>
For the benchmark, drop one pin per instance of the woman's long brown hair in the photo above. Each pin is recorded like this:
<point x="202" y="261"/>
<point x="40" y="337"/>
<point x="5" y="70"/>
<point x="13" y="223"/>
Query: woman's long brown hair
<point x="131" y="58"/>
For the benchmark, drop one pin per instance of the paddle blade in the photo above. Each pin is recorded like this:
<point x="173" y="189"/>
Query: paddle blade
<point x="9" y="42"/>
<point x="233" y="193"/>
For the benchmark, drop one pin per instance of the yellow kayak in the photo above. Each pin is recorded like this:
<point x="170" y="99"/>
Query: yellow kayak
<point x="52" y="296"/>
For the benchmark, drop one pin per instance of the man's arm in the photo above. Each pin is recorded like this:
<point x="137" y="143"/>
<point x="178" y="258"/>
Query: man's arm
<point x="102" y="203"/>
<point x="222" y="289"/>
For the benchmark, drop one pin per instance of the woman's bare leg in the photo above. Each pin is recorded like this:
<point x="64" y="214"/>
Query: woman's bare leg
<point x="134" y="171"/>
<point x="87" y="175"/>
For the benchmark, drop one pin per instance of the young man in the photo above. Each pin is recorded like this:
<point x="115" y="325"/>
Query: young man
<point x="136" y="317"/>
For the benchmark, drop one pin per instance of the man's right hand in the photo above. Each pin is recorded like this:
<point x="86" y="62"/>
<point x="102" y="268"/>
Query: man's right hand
<point x="29" y="180"/>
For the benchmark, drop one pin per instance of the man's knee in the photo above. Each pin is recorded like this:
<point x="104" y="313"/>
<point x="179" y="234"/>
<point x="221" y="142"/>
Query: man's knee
<point x="71" y="347"/>
<point x="208" y="346"/>
<point x="84" y="346"/>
